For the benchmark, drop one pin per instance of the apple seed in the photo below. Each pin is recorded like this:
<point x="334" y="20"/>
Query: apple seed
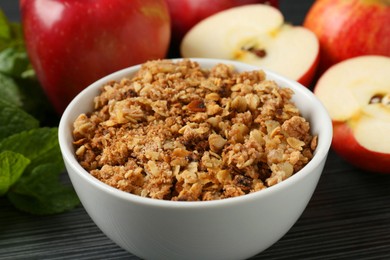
<point x="380" y="98"/>
<point x="261" y="53"/>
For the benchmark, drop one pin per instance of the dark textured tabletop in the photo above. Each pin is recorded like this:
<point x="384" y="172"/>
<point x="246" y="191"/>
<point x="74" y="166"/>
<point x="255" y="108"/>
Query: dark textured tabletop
<point x="348" y="216"/>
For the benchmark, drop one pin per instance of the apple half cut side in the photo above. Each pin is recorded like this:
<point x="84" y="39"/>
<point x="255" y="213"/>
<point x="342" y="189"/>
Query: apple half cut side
<point x="186" y="13"/>
<point x="356" y="93"/>
<point x="255" y="34"/>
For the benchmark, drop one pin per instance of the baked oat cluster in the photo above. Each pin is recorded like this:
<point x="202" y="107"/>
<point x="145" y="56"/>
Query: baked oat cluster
<point x="175" y="131"/>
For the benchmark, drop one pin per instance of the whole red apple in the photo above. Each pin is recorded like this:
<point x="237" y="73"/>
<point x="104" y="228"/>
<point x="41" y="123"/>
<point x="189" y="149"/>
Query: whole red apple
<point x="350" y="28"/>
<point x="186" y="13"/>
<point x="72" y="43"/>
<point x="356" y="93"/>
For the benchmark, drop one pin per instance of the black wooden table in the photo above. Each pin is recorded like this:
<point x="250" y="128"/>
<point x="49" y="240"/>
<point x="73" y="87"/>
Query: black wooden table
<point x="348" y="216"/>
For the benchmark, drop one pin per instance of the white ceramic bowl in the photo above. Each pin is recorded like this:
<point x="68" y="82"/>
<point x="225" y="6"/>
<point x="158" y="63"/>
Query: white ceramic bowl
<point x="234" y="228"/>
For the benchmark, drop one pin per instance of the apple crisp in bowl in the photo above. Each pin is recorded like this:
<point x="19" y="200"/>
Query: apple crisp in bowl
<point x="176" y="131"/>
<point x="195" y="158"/>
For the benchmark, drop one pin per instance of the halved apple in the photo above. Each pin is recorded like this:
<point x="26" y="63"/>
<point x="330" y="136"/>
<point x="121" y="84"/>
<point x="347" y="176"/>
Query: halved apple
<point x="255" y="34"/>
<point x="356" y="93"/>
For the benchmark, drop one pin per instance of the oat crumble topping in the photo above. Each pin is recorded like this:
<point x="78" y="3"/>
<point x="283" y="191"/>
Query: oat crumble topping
<point x="175" y="131"/>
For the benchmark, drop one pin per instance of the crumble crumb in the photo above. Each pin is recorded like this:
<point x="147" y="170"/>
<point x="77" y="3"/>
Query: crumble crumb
<point x="176" y="131"/>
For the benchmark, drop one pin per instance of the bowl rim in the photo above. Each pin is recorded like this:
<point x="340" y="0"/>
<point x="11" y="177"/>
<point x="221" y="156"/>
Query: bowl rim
<point x="320" y="154"/>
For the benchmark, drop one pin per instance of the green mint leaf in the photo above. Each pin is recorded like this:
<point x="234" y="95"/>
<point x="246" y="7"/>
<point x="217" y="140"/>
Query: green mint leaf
<point x="11" y="34"/>
<point x="40" y="145"/>
<point x="12" y="166"/>
<point x="17" y="37"/>
<point x="13" y="62"/>
<point x="42" y="193"/>
<point x="9" y="91"/>
<point x="14" y="120"/>
<point x="35" y="102"/>
<point x="29" y="73"/>
<point x="5" y="29"/>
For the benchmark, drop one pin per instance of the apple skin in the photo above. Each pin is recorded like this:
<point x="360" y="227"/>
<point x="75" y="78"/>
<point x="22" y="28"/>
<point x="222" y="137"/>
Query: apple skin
<point x="73" y="43"/>
<point x="345" y="144"/>
<point x="350" y="28"/>
<point x="308" y="78"/>
<point x="186" y="13"/>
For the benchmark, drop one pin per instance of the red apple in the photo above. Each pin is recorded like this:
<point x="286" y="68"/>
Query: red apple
<point x="73" y="43"/>
<point x="186" y="13"/>
<point x="356" y="93"/>
<point x="350" y="28"/>
<point x="255" y="34"/>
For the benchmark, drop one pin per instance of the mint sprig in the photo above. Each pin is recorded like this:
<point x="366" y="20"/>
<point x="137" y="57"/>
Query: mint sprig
<point x="30" y="157"/>
<point x="41" y="192"/>
<point x="12" y="166"/>
<point x="13" y="119"/>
